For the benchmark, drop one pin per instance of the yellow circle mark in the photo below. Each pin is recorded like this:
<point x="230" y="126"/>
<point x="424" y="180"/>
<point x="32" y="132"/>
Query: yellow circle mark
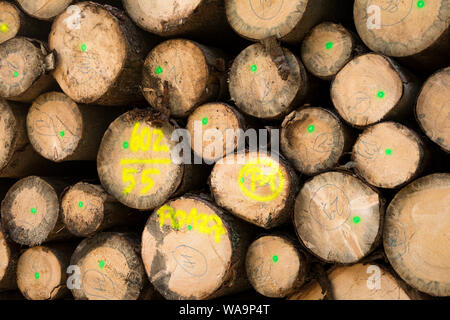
<point x="261" y="172"/>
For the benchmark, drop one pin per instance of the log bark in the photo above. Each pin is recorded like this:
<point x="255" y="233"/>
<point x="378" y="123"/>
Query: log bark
<point x="9" y="254"/>
<point x="255" y="187"/>
<point x="44" y="9"/>
<point x="135" y="161"/>
<point x="30" y="211"/>
<point x="187" y="257"/>
<point x="338" y="217"/>
<point x="415" y="32"/>
<point x="266" y="82"/>
<point x="87" y="208"/>
<point x="416" y="234"/>
<point x="180" y="75"/>
<point x="100" y="54"/>
<point x="41" y="271"/>
<point x="433" y="108"/>
<point x="24" y="69"/>
<point x="314" y="139"/>
<point x="389" y="155"/>
<point x="61" y="130"/>
<point x="372" y="88"/>
<point x="275" y="265"/>
<point x="110" y="266"/>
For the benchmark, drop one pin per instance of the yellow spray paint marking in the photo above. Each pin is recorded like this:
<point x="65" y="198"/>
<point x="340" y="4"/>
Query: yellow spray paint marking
<point x="262" y="172"/>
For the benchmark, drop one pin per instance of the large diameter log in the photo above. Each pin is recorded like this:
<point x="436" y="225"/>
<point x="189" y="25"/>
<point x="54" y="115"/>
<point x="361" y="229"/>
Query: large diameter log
<point x="30" y="211"/>
<point x="259" y="89"/>
<point x="44" y="9"/>
<point x="327" y="48"/>
<point x="275" y="266"/>
<point x="287" y="20"/>
<point x="100" y="54"/>
<point x="181" y="74"/>
<point x="388" y="155"/>
<point x="61" y="130"/>
<point x="216" y="119"/>
<point x="87" y="208"/>
<point x="203" y="18"/>
<point x="314" y="139"/>
<point x="24" y="67"/>
<point x="417" y="31"/>
<point x="194" y="250"/>
<point x="41" y="272"/>
<point x="373" y="88"/>
<point x="110" y="267"/>
<point x="9" y="253"/>
<point x="338" y="217"/>
<point x="135" y="165"/>
<point x="433" y="108"/>
<point x="417" y="233"/>
<point x="256" y="187"/>
<point x="358" y="282"/>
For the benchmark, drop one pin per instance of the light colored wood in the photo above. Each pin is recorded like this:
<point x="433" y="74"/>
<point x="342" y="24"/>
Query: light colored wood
<point x="193" y="250"/>
<point x="9" y="253"/>
<point x="338" y="217"/>
<point x="44" y="9"/>
<point x="433" y="108"/>
<point x="255" y="187"/>
<point x="388" y="155"/>
<point x="111" y="268"/>
<point x="417" y="233"/>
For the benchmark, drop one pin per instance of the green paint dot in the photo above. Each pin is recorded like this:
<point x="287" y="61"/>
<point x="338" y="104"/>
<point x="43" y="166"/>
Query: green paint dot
<point x="420" y="4"/>
<point x="189" y="227"/>
<point x="356" y="219"/>
<point x="126" y="145"/>
<point x="311" y="128"/>
<point x="62" y="133"/>
<point x="275" y="258"/>
<point x="242" y="180"/>
<point x="83" y="47"/>
<point x="15" y="74"/>
<point x="101" y="264"/>
<point x="36" y="275"/>
<point x="329" y="45"/>
<point x="388" y="151"/>
<point x="253" y="68"/>
<point x="158" y="70"/>
<point x="205" y="121"/>
<point x="81" y="204"/>
<point x="4" y="28"/>
<point x="380" y="94"/>
<point x="33" y="210"/>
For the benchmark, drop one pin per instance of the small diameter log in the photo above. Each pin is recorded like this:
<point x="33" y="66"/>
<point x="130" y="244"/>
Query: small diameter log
<point x="260" y="90"/>
<point x="357" y="282"/>
<point x="314" y="139"/>
<point x="417" y="234"/>
<point x="338" y="217"/>
<point x="433" y="108"/>
<point x="41" y="272"/>
<point x="135" y="165"/>
<point x="100" y="54"/>
<point x="9" y="253"/>
<point x="178" y="17"/>
<point x="110" y="267"/>
<point x="194" y="250"/>
<point x="30" y="211"/>
<point x="61" y="130"/>
<point x="416" y="31"/>
<point x="255" y="187"/>
<point x="209" y="122"/>
<point x="388" y="155"/>
<point x="44" y="9"/>
<point x="275" y="266"/>
<point x="287" y="20"/>
<point x="24" y="67"/>
<point x="327" y="49"/>
<point x="372" y="88"/>
<point x="87" y="208"/>
<point x="14" y="22"/>
<point x="181" y="74"/>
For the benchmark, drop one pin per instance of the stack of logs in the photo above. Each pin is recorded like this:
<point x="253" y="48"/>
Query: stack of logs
<point x="334" y="185"/>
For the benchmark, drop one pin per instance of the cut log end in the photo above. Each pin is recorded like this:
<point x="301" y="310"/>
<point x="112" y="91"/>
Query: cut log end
<point x="8" y="133"/>
<point x="9" y="21"/>
<point x="44" y="9"/>
<point x="416" y="234"/>
<point x="338" y="217"/>
<point x="388" y="155"/>
<point x="9" y="254"/>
